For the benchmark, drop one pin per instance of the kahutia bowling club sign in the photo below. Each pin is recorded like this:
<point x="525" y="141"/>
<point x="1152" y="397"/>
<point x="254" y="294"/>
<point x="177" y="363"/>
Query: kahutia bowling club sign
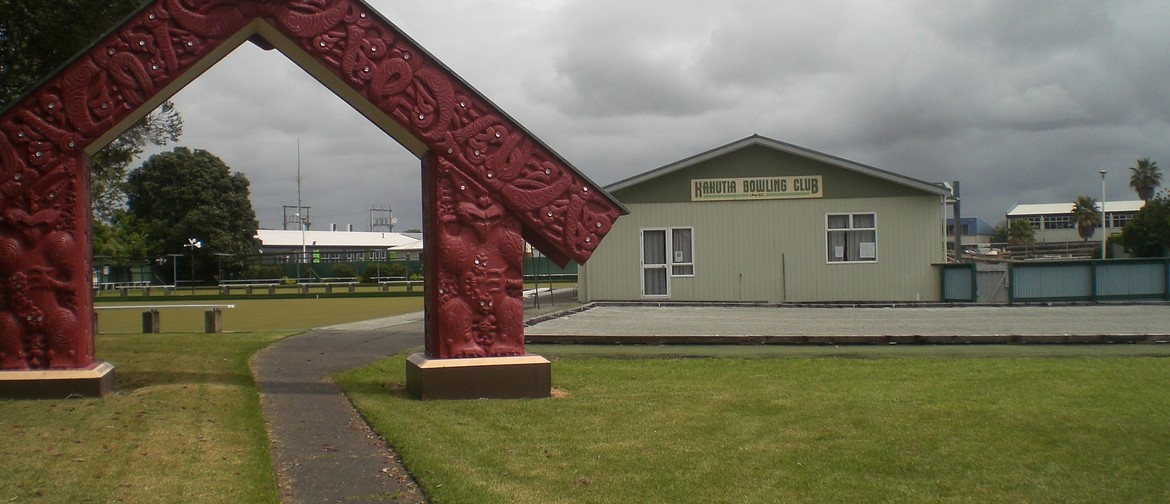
<point x="754" y="188"/>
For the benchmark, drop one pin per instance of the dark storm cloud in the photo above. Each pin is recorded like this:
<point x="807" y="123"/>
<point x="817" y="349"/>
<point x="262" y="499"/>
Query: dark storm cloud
<point x="1023" y="101"/>
<point x="631" y="59"/>
<point x="1033" y="28"/>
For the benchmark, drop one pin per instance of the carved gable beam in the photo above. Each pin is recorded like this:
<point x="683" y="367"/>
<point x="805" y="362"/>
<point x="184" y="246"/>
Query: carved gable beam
<point x="389" y="79"/>
<point x="45" y="137"/>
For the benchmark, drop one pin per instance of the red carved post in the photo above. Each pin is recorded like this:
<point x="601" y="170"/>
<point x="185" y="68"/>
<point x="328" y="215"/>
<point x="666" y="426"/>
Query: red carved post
<point x="45" y="297"/>
<point x="488" y="181"/>
<point x="472" y="267"/>
<point x="46" y="305"/>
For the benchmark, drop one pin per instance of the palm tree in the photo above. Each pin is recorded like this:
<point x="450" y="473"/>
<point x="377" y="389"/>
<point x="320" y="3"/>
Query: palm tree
<point x="1021" y="232"/>
<point x="1145" y="178"/>
<point x="1086" y="216"/>
<point x="1001" y="233"/>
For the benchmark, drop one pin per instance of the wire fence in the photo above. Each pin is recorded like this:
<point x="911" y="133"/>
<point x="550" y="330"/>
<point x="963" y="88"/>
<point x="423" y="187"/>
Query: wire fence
<point x="118" y="273"/>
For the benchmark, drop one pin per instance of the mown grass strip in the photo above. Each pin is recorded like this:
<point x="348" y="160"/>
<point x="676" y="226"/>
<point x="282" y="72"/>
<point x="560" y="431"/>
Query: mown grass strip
<point x="874" y="351"/>
<point x="263" y="314"/>
<point x="185" y="423"/>
<point x="992" y="429"/>
<point x="184" y="426"/>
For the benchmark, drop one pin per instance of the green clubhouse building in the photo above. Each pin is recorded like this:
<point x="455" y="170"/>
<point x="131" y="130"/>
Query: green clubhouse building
<point x="759" y="220"/>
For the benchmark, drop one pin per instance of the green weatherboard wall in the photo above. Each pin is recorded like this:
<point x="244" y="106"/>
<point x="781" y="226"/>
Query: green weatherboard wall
<point x="760" y="161"/>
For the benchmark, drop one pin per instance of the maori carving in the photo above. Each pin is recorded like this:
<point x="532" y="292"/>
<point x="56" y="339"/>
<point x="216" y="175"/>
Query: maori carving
<point x="549" y="198"/>
<point x="475" y="260"/>
<point x="46" y="305"/>
<point x="521" y="187"/>
<point x="39" y="305"/>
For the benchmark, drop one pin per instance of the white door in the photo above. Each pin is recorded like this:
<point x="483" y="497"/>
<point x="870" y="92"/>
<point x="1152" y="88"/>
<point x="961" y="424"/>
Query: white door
<point x="655" y="281"/>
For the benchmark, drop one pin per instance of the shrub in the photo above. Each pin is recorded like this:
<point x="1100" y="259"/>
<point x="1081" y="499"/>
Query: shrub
<point x="264" y="272"/>
<point x="1148" y="233"/>
<point x="343" y="271"/>
<point x="373" y="270"/>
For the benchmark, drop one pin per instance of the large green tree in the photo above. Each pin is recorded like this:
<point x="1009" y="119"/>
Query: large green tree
<point x="108" y="168"/>
<point x="120" y="241"/>
<point x="37" y="37"/>
<point x="1145" y="177"/>
<point x="185" y="194"/>
<point x="1147" y="234"/>
<point x="1086" y="216"/>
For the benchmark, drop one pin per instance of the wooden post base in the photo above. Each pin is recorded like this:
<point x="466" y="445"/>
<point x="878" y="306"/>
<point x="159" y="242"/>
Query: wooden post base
<point x="94" y="381"/>
<point x="527" y="376"/>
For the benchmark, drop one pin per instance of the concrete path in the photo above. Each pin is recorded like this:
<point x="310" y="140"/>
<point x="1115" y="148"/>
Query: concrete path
<point x="787" y="324"/>
<point x="323" y="451"/>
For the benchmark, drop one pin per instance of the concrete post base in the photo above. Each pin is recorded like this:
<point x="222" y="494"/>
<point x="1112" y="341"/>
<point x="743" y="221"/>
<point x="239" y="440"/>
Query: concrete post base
<point x="94" y="381"/>
<point x="151" y="322"/>
<point x="213" y="321"/>
<point x="527" y="376"/>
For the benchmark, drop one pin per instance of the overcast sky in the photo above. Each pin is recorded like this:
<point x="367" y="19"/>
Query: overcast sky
<point x="1023" y="101"/>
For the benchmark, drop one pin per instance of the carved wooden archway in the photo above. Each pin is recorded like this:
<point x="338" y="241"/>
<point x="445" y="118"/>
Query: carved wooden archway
<point x="488" y="183"/>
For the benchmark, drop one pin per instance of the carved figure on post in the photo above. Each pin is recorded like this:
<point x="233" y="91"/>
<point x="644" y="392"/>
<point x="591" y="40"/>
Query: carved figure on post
<point x="40" y="307"/>
<point x="488" y="184"/>
<point x="479" y="256"/>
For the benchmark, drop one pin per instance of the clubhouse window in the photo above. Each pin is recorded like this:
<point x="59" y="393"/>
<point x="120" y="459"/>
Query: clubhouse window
<point x="851" y="237"/>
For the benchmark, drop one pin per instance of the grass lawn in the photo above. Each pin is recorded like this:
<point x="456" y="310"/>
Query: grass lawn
<point x="185" y="423"/>
<point x="992" y="428"/>
<point x="261" y="314"/>
<point x="259" y="291"/>
<point x="185" y="426"/>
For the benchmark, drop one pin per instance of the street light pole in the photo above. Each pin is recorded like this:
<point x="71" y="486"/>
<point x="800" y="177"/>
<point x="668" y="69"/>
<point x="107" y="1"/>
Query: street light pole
<point x="193" y="244"/>
<point x="1104" y="223"/>
<point x="175" y="268"/>
<point x="220" y="257"/>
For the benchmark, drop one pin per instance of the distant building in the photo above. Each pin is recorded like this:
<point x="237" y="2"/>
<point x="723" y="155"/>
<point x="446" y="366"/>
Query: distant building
<point x="285" y="246"/>
<point x="973" y="230"/>
<point x="1053" y="222"/>
<point x="763" y="220"/>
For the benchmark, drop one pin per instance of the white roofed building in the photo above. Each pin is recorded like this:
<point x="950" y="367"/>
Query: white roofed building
<point x="1053" y="222"/>
<point x="282" y="246"/>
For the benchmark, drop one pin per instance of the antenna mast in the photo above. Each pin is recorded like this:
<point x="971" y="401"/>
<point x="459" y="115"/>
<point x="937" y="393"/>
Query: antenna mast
<point x="300" y="207"/>
<point x="382" y="218"/>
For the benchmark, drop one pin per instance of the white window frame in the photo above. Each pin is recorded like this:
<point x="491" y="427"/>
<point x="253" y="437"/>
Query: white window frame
<point x="1061" y="221"/>
<point x="1120" y="219"/>
<point x="848" y="229"/>
<point x="1034" y="220"/>
<point x="642" y="266"/>
<point x="672" y="262"/>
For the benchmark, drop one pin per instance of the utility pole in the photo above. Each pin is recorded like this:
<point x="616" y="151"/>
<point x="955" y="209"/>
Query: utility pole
<point x="300" y="208"/>
<point x="1104" y="223"/>
<point x="958" y="224"/>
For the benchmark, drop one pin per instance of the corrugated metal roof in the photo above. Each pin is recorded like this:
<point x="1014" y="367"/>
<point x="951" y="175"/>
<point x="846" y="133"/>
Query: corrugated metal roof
<point x="783" y="147"/>
<point x="1022" y="209"/>
<point x="347" y="239"/>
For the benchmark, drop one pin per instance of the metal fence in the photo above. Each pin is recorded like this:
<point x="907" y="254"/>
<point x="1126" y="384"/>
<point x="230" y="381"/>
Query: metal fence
<point x="1063" y="281"/>
<point x="113" y="272"/>
<point x="959" y="283"/>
